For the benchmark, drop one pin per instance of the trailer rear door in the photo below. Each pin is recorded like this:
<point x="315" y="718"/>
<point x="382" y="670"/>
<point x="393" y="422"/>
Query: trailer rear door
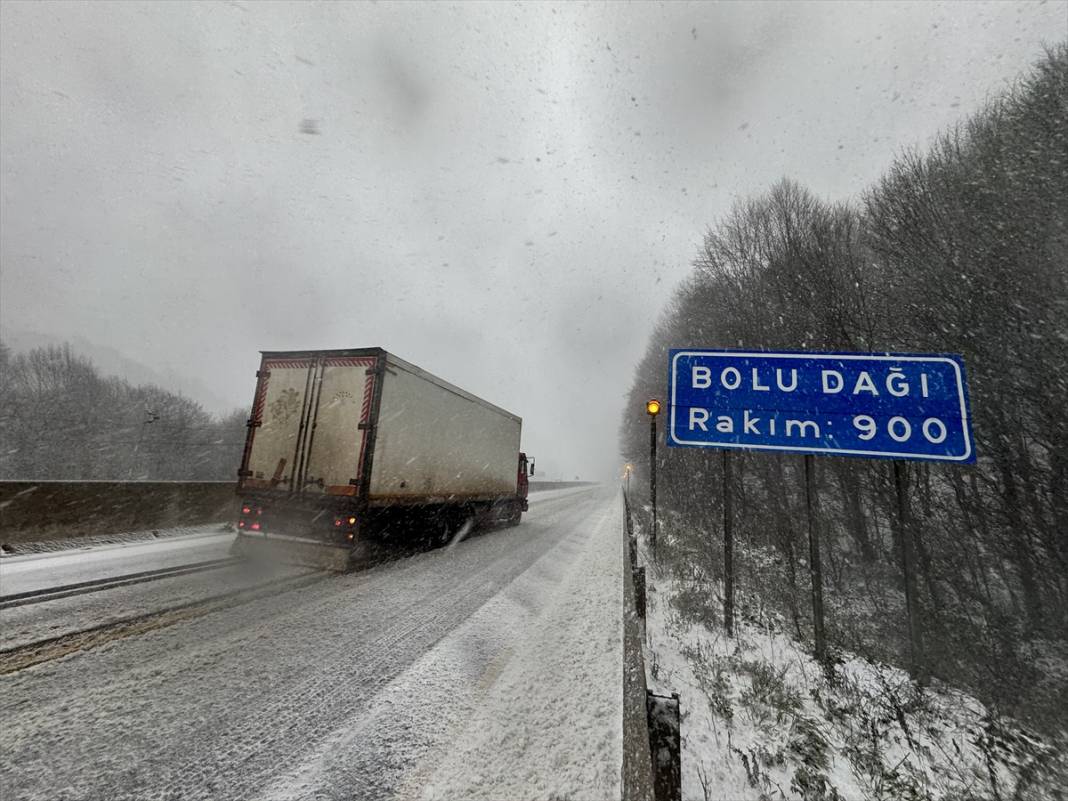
<point x="342" y="412"/>
<point x="280" y="417"/>
<point x="311" y="424"/>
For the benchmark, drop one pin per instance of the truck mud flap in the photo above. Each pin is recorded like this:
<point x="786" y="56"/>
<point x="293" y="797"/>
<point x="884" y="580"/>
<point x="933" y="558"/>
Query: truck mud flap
<point x="323" y="556"/>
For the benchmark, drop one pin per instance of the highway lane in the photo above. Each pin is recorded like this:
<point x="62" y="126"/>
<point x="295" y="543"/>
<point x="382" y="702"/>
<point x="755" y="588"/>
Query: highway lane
<point x="62" y="617"/>
<point x="54" y="618"/>
<point x="37" y="571"/>
<point x="454" y="671"/>
<point x="34" y="571"/>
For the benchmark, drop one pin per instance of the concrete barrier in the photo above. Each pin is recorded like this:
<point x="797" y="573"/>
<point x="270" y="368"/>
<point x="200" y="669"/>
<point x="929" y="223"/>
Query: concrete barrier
<point x="32" y="511"/>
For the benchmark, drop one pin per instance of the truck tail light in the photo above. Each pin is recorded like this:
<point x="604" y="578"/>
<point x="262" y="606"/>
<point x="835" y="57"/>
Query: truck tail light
<point x="240" y="523"/>
<point x="352" y="521"/>
<point x="245" y="510"/>
<point x="255" y="526"/>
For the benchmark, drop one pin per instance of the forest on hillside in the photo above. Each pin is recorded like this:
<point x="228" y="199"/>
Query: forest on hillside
<point x="961" y="247"/>
<point x="61" y="419"/>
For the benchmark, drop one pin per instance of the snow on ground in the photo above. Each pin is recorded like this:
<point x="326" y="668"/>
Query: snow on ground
<point x="550" y="723"/>
<point x="536" y="496"/>
<point x="173" y="548"/>
<point x="21" y="549"/>
<point x="761" y="720"/>
<point x="522" y="701"/>
<point x="306" y="685"/>
<point x="57" y="563"/>
<point x="36" y="571"/>
<point x="23" y="625"/>
<point x="18" y="550"/>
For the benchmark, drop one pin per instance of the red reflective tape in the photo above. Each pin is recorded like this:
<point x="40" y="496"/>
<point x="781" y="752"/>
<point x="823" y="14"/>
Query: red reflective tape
<point x="349" y="361"/>
<point x="365" y="415"/>
<point x="340" y="489"/>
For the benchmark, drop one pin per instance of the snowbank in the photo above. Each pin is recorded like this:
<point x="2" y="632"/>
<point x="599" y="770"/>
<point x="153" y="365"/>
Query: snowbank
<point x="761" y="720"/>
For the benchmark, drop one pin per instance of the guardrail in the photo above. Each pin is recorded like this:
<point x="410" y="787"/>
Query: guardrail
<point x="32" y="511"/>
<point x="637" y="759"/>
<point x="652" y="745"/>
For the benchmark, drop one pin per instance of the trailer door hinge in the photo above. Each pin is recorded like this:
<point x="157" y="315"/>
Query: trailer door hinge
<point x="244" y="474"/>
<point x="365" y="426"/>
<point x="375" y="371"/>
<point x="253" y="424"/>
<point x="262" y="373"/>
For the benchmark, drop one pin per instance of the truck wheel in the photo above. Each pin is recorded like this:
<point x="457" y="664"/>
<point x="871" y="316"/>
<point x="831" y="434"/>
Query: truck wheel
<point x="442" y="531"/>
<point x="450" y="524"/>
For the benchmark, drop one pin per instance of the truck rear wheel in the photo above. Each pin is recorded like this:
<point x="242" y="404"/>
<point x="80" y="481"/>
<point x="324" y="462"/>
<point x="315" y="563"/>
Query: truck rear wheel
<point x="515" y="515"/>
<point x="452" y="524"/>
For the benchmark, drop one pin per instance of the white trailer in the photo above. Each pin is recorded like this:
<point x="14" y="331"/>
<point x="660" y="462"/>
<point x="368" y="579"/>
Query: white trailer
<point x="346" y="447"/>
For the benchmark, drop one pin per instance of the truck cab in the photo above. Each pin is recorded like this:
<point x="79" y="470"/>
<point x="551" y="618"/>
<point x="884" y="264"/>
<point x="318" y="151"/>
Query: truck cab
<point x="522" y="486"/>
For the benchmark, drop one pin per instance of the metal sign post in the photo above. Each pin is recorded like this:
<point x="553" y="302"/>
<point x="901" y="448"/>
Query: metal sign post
<point x="728" y="548"/>
<point x="814" y="568"/>
<point x="882" y="406"/>
<point x="907" y="568"/>
<point x="652" y="408"/>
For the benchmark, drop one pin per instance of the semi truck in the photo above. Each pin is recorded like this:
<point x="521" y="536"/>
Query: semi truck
<point x="347" y="449"/>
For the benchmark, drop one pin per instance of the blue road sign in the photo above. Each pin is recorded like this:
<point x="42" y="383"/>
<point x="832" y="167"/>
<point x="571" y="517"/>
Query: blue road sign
<point x="892" y="406"/>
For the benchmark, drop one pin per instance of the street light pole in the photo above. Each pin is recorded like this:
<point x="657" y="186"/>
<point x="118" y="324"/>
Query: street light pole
<point x="652" y="408"/>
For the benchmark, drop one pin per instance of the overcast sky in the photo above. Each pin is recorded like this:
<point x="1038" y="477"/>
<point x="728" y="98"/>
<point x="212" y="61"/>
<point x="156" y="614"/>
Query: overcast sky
<point x="505" y="195"/>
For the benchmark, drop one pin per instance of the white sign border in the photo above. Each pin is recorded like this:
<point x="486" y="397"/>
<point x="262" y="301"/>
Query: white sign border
<point x="835" y="357"/>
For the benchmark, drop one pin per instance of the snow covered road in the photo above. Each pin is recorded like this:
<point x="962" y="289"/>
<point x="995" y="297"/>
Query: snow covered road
<point x="38" y="571"/>
<point x="488" y="670"/>
<point x="173" y="548"/>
